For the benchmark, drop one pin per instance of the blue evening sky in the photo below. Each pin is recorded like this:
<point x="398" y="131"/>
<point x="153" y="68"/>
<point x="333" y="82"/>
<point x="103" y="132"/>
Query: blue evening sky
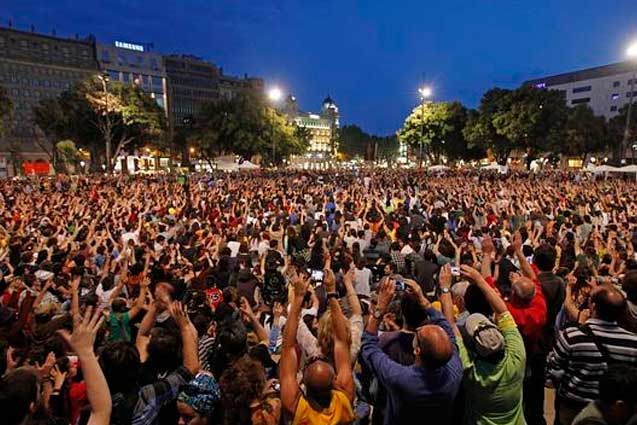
<point x="369" y="55"/>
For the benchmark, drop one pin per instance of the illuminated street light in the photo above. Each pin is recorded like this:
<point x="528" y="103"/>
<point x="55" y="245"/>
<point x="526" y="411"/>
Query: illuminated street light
<point x="275" y="94"/>
<point x="192" y="150"/>
<point x="425" y="92"/>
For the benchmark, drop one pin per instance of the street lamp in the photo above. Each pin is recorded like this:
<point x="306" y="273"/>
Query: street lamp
<point x="425" y="94"/>
<point x="104" y="78"/>
<point x="631" y="54"/>
<point x="274" y="95"/>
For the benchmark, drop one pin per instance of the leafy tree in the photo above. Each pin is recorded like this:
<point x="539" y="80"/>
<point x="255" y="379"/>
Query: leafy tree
<point x="354" y="141"/>
<point x="617" y="127"/>
<point x="6" y="106"/>
<point x="533" y="118"/>
<point x="387" y="148"/>
<point x="89" y="116"/>
<point x="246" y="126"/>
<point x="583" y="133"/>
<point x="479" y="131"/>
<point x="439" y="127"/>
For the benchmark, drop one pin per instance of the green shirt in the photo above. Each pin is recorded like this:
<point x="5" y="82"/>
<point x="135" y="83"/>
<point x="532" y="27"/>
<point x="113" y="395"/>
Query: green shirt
<point x="494" y="391"/>
<point x="119" y="324"/>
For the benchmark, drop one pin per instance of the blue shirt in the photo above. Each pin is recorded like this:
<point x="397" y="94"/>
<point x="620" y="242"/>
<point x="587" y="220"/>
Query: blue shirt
<point x="415" y="392"/>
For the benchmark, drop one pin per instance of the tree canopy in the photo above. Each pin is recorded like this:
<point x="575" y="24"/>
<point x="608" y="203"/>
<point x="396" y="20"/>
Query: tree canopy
<point x="86" y="115"/>
<point x="439" y="127"/>
<point x="246" y="126"/>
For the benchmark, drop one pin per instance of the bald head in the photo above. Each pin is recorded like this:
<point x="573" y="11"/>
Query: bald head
<point x="607" y="302"/>
<point x="524" y="289"/>
<point x="434" y="346"/>
<point x="318" y="378"/>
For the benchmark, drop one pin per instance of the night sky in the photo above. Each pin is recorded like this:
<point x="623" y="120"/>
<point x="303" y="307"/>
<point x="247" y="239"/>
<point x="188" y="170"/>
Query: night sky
<point x="369" y="55"/>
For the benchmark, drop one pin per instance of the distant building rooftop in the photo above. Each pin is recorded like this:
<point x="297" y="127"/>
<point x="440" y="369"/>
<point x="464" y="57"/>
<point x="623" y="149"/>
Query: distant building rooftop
<point x="584" y="74"/>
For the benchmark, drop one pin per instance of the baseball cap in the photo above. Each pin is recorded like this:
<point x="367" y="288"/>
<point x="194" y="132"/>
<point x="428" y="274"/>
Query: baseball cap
<point x="486" y="337"/>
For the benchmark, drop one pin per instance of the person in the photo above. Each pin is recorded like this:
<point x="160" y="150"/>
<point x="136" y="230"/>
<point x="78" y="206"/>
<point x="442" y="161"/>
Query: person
<point x="121" y="362"/>
<point x="582" y="354"/>
<point x="494" y="363"/>
<point x="198" y="401"/>
<point x="329" y="391"/>
<point x="427" y="388"/>
<point x="617" y="404"/>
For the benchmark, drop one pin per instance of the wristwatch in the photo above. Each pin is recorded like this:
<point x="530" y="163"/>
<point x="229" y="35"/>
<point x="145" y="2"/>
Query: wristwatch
<point x="445" y="290"/>
<point x="332" y="295"/>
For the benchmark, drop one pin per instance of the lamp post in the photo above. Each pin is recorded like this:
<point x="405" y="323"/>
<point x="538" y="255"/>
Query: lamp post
<point x="425" y="94"/>
<point x="108" y="125"/>
<point x="274" y="95"/>
<point x="631" y="53"/>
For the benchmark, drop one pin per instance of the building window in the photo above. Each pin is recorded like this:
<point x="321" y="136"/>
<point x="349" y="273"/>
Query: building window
<point x="581" y="89"/>
<point x="580" y="100"/>
<point x="613" y="108"/>
<point x="153" y="63"/>
<point x="113" y="74"/>
<point x="106" y="56"/>
<point x="616" y="84"/>
<point x="126" y="77"/>
<point x="121" y="59"/>
<point x="615" y="96"/>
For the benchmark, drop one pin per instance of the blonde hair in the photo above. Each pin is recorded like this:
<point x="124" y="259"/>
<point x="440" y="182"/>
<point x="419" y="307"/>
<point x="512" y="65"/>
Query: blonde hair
<point x="325" y="337"/>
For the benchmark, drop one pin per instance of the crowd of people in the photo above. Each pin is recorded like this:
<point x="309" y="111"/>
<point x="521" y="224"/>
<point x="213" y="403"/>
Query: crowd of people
<point x="336" y="297"/>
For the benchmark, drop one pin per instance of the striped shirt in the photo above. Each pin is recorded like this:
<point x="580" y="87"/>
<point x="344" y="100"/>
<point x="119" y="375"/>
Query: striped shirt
<point x="576" y="365"/>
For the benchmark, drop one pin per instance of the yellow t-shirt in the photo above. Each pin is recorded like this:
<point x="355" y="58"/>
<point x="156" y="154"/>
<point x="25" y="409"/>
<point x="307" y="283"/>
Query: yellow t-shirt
<point x="339" y="412"/>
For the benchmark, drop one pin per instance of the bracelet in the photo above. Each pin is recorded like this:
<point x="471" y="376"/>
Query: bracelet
<point x="332" y="295"/>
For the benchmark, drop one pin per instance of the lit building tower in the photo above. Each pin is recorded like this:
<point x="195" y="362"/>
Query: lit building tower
<point x="329" y="111"/>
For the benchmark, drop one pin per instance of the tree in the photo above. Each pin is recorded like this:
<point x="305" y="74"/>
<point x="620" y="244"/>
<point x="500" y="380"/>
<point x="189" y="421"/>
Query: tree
<point x="617" y="127"/>
<point x="439" y="127"/>
<point x="479" y="131"/>
<point x="354" y="141"/>
<point x="386" y="148"/>
<point x="583" y="133"/>
<point x="246" y="126"/>
<point x="533" y="118"/>
<point x="88" y="116"/>
<point x="6" y="106"/>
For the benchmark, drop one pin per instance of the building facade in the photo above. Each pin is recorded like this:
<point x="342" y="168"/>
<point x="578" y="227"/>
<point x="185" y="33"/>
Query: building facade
<point x="192" y="82"/>
<point x="230" y="87"/>
<point x="606" y="89"/>
<point x="135" y="63"/>
<point x="322" y="128"/>
<point x="35" y="67"/>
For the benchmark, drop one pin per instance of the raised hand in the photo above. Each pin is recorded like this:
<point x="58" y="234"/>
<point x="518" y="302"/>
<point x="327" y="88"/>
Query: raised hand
<point x="84" y="331"/>
<point x="386" y="293"/>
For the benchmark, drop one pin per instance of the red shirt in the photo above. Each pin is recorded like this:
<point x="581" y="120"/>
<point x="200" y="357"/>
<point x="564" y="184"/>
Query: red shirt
<point x="530" y="317"/>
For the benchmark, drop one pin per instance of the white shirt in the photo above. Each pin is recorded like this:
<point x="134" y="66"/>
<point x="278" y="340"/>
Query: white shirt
<point x="130" y="235"/>
<point x="234" y="248"/>
<point x="361" y="281"/>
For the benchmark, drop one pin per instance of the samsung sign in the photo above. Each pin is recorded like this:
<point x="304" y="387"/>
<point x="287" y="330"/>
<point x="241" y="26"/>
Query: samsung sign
<point x="129" y="46"/>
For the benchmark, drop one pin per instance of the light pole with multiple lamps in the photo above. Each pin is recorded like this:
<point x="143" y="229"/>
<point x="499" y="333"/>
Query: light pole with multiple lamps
<point x="274" y="95"/>
<point x="631" y="53"/>
<point x="108" y="126"/>
<point x="425" y="94"/>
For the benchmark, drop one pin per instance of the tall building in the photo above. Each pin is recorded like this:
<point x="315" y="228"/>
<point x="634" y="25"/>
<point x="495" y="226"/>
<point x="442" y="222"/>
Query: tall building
<point x="322" y="127"/>
<point x="604" y="88"/>
<point x="192" y="82"/>
<point x="34" y="67"/>
<point x="231" y="86"/>
<point x="135" y="63"/>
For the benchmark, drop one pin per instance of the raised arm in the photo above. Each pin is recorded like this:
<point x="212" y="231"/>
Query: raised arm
<point x="81" y="341"/>
<point x="188" y="337"/>
<point x="290" y="392"/>
<point x="524" y="264"/>
<point x="492" y="297"/>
